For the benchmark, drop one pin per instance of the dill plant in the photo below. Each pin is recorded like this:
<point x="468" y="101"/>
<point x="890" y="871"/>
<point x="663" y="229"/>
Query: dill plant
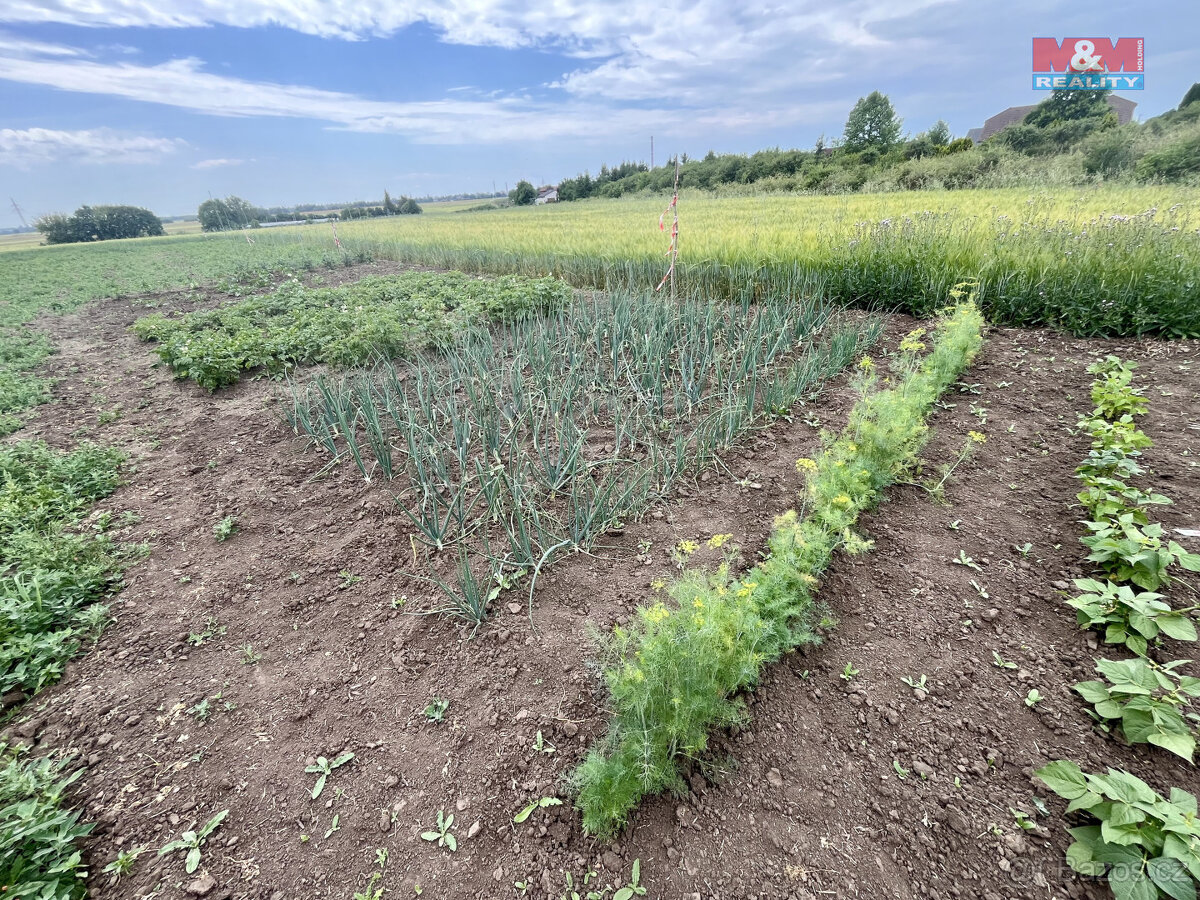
<point x="674" y="673"/>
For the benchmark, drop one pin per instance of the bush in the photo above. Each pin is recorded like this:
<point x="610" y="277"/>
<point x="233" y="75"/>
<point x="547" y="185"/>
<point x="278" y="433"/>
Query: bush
<point x="100" y="223"/>
<point x="1109" y="152"/>
<point x="1174" y="160"/>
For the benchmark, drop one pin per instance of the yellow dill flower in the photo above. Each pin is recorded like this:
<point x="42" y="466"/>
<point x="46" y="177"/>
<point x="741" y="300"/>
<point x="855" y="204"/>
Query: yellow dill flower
<point x="658" y="584"/>
<point x="657" y="613"/>
<point x="718" y="540"/>
<point x="851" y="446"/>
<point x="743" y="592"/>
<point x="687" y="548"/>
<point x="698" y="603"/>
<point x="866" y="363"/>
<point x="804" y="464"/>
<point x="864" y="473"/>
<point x="977" y="437"/>
<point x="841" y="463"/>
<point x="638" y="675"/>
<point x="808" y="579"/>
<point x="841" y="500"/>
<point x="698" y="619"/>
<point x="752" y="584"/>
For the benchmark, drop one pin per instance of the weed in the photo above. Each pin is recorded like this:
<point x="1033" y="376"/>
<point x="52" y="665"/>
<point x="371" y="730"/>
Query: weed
<point x="348" y="578"/>
<point x="1033" y="698"/>
<point x="442" y="834"/>
<point x="541" y="803"/>
<point x="966" y="561"/>
<point x="324" y="768"/>
<point x="224" y="529"/>
<point x="848" y="673"/>
<point x="541" y="745"/>
<point x="193" y="841"/>
<point x="435" y="709"/>
<point x="918" y="684"/>
<point x="212" y="629"/>
<point x="122" y="865"/>
<point x="1001" y="663"/>
<point x="250" y="656"/>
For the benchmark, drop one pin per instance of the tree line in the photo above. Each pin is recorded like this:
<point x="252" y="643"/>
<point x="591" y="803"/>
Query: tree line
<point x="99" y="223"/>
<point x="871" y="153"/>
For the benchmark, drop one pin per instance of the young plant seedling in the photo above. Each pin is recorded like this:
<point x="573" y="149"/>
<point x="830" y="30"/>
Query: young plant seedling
<point x="192" y="841"/>
<point x="964" y="560"/>
<point x="541" y="745"/>
<point x="900" y="771"/>
<point x="634" y="887"/>
<point x="442" y="834"/>
<point x="848" y="673"/>
<point x="541" y="803"/>
<point x="334" y="827"/>
<point x="224" y="529"/>
<point x="324" y="768"/>
<point x="1033" y="698"/>
<point x="212" y="629"/>
<point x="250" y="656"/>
<point x="435" y="710"/>
<point x="123" y="864"/>
<point x="916" y="684"/>
<point x="1001" y="663"/>
<point x="1023" y="821"/>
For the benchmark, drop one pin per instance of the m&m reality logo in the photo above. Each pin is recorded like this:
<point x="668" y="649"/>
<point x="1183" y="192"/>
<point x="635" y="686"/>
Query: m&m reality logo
<point x="1088" y="64"/>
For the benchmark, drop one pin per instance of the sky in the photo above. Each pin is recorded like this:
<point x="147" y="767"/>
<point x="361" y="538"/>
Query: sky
<point x="164" y="103"/>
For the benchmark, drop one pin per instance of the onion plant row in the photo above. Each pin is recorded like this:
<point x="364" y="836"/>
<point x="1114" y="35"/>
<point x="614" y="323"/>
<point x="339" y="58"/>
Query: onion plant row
<point x="536" y="438"/>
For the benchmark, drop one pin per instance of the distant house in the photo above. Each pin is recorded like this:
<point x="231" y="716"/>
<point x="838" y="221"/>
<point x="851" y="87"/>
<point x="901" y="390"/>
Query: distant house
<point x="547" y="195"/>
<point x="1014" y="114"/>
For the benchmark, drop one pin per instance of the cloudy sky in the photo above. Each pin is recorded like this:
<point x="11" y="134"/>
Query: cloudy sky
<point x="163" y="103"/>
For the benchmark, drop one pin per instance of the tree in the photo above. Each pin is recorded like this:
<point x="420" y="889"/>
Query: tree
<point x="1191" y="96"/>
<point x="99" y="223"/>
<point x="872" y="124"/>
<point x="223" y="215"/>
<point x="524" y="194"/>
<point x="1069" y="106"/>
<point x="939" y="134"/>
<point x="389" y="206"/>
<point x="408" y="207"/>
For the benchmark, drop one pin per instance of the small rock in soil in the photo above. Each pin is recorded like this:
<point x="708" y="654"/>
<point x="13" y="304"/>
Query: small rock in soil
<point x="202" y="885"/>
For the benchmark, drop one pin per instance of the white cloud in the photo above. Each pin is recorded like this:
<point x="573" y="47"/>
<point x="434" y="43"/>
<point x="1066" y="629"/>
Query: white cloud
<point x="35" y="146"/>
<point x="677" y="50"/>
<point x="218" y="163"/>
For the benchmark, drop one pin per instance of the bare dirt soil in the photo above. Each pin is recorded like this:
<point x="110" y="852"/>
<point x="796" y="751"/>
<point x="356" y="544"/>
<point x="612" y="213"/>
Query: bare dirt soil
<point x="295" y="631"/>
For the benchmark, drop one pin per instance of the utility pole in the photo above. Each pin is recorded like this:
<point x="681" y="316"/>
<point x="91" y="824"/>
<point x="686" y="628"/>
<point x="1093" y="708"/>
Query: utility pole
<point x="20" y="214"/>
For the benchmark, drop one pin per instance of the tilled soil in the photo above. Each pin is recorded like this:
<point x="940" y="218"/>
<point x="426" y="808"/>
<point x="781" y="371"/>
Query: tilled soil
<point x="848" y="787"/>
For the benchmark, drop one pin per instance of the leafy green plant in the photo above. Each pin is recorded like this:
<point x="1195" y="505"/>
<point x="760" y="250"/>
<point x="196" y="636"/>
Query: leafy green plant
<point x="918" y="684"/>
<point x="441" y="833"/>
<point x="1033" y="698"/>
<point x="1113" y="392"/>
<point x="1135" y="619"/>
<point x="1148" y="846"/>
<point x="1001" y="663"/>
<point x="38" y="853"/>
<point x="1152" y="703"/>
<point x="435" y="710"/>
<point x="224" y="529"/>
<point x="848" y="673"/>
<point x="1129" y="552"/>
<point x="324" y="768"/>
<point x="193" y="841"/>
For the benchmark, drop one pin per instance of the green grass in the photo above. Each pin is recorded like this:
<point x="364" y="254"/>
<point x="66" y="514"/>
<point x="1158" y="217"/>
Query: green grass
<point x="354" y="324"/>
<point x="63" y="278"/>
<point x="54" y="567"/>
<point x="38" y="854"/>
<point x="675" y="672"/>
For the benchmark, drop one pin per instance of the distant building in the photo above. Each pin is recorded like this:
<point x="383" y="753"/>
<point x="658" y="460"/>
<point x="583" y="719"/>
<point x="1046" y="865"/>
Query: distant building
<point x="547" y="195"/>
<point x="1014" y="114"/>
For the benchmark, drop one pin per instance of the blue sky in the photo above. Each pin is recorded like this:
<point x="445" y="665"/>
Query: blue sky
<point x="162" y="103"/>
